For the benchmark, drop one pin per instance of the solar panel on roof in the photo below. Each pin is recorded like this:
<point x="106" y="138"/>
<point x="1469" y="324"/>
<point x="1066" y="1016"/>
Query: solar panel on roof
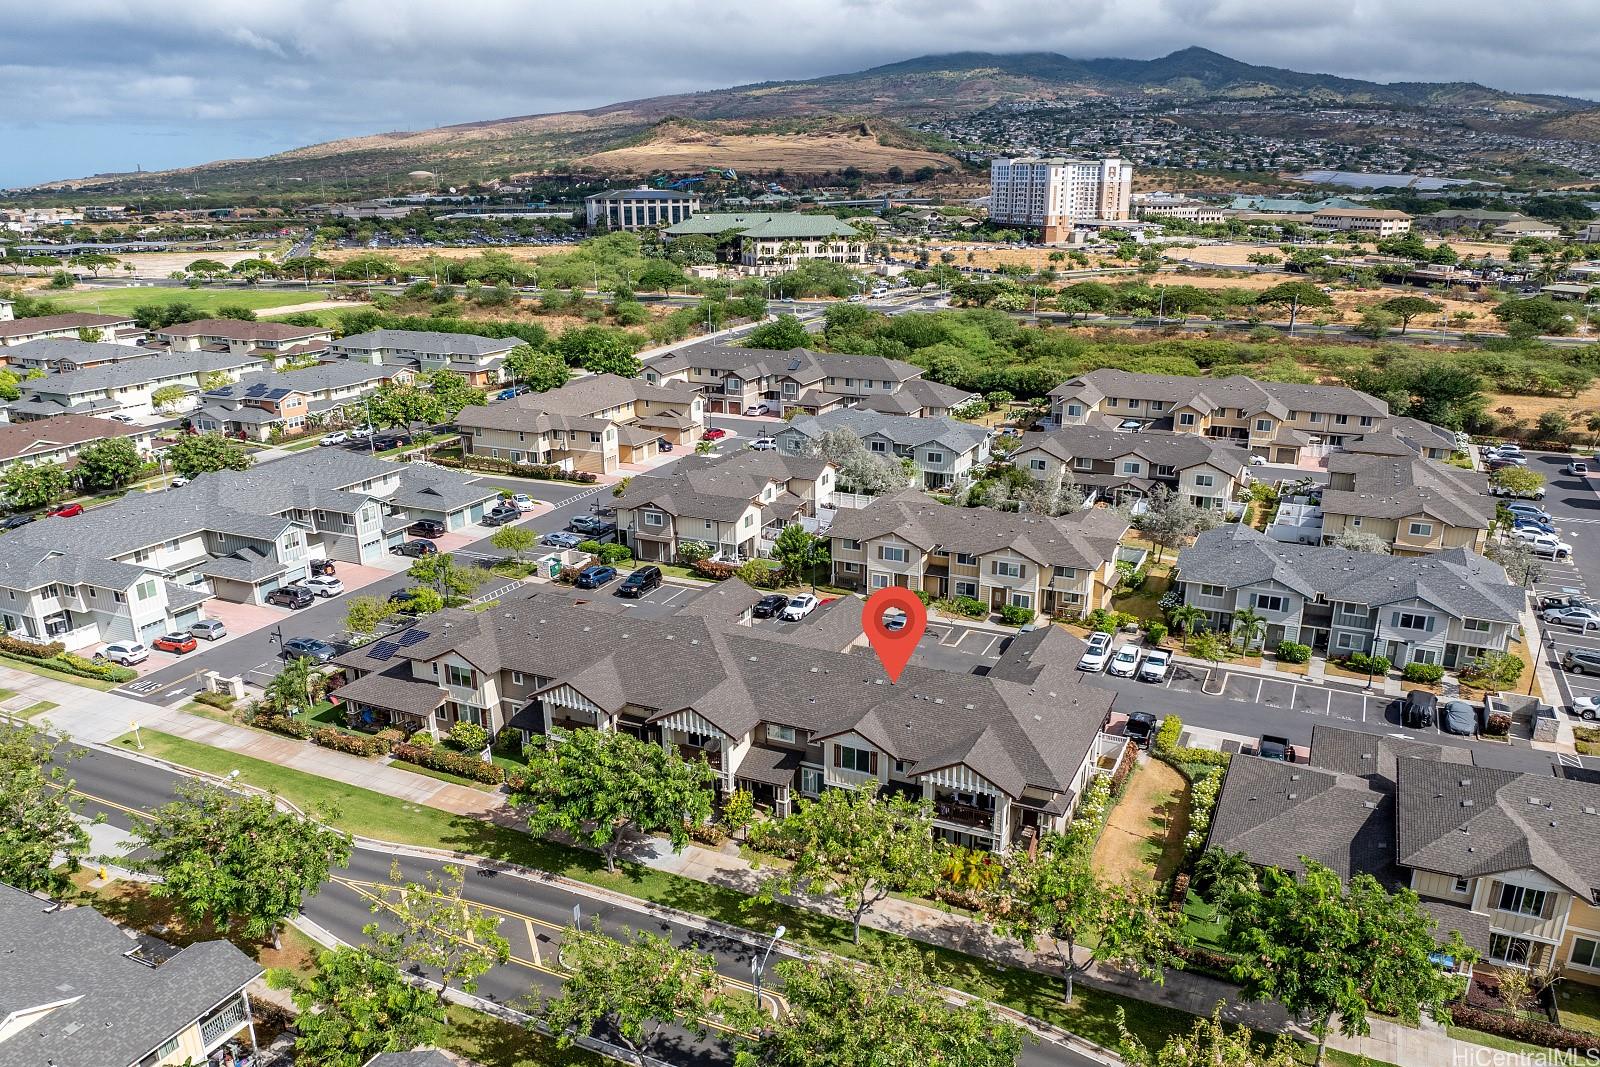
<point x="413" y="637"/>
<point x="382" y="650"/>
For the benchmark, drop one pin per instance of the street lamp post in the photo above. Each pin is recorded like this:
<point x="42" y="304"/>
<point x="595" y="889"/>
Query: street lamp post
<point x="758" y="965"/>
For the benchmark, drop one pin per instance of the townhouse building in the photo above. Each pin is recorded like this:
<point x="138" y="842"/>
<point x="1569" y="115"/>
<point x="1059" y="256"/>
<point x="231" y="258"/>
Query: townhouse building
<point x="74" y="325"/>
<point x="773" y="242"/>
<point x="62" y="355"/>
<point x="126" y="388"/>
<point x="736" y="380"/>
<point x="783" y="713"/>
<point x="1275" y="420"/>
<point x="596" y="423"/>
<point x="59" y="440"/>
<point x="944" y="450"/>
<point x="1510" y="860"/>
<point x="239" y="535"/>
<point x="1445" y="607"/>
<point x="1414" y="505"/>
<point x="79" y="989"/>
<point x="737" y="504"/>
<point x="72" y="597"/>
<point x="274" y="341"/>
<point x="1059" y="566"/>
<point x="286" y="403"/>
<point x="638" y="209"/>
<point x="477" y="359"/>
<point x="1122" y="467"/>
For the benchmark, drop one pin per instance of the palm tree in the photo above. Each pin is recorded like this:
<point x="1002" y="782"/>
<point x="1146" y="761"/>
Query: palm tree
<point x="1220" y="874"/>
<point x="1187" y="617"/>
<point x="1247" y="626"/>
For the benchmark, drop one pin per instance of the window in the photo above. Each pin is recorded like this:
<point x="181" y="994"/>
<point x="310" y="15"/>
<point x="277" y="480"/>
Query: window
<point x="1523" y="901"/>
<point x="749" y="520"/>
<point x="1132" y="466"/>
<point x="1421" y="529"/>
<point x="516" y="678"/>
<point x="1083" y="463"/>
<point x="1186" y="418"/>
<point x="1021" y="600"/>
<point x="935" y="457"/>
<point x="878" y="446"/>
<point x="1074" y="410"/>
<point x="1316" y="416"/>
<point x="1366" y="420"/>
<point x="1211" y="590"/>
<point x="1341" y="420"/>
<point x="1205" y="481"/>
<point x="1111" y="401"/>
<point x="1263" y="425"/>
<point x="892" y="553"/>
<point x="1406" y="620"/>
<point x="1349" y="641"/>
<point x="1158" y="405"/>
<point x="1586" y="953"/>
<point x="654" y="518"/>
<point x="967" y="589"/>
<point x="1479" y="626"/>
<point x="594" y="438"/>
<point x="880" y="581"/>
<point x="811" y="780"/>
<point x="1066" y="572"/>
<point x="1425" y="655"/>
<point x="459" y="676"/>
<point x="1037" y="464"/>
<point x="855" y="759"/>
<point x="1462" y="885"/>
<point x="1005" y="569"/>
<point x="1269" y="602"/>
<point x="780" y="733"/>
<point x="146" y="589"/>
<point x="1506" y="949"/>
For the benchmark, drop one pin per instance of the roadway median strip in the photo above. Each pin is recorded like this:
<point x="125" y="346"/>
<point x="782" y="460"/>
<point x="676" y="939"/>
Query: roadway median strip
<point x="366" y="814"/>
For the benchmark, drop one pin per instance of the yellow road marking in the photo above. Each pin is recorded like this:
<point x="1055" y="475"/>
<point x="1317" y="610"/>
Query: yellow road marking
<point x="111" y="804"/>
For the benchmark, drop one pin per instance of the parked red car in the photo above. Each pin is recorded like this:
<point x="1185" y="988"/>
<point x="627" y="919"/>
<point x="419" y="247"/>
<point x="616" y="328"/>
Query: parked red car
<point x="715" y="434"/>
<point x="66" y="511"/>
<point x="177" y="644"/>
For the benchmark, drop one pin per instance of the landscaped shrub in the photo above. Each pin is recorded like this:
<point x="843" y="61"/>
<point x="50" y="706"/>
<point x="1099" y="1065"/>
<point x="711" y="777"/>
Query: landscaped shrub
<point x="423" y="738"/>
<point x="542" y="471"/>
<point x="1016" y="615"/>
<point x="1165" y="745"/>
<point x="1520" y="1028"/>
<point x="1293" y="652"/>
<point x="1155" y="632"/>
<point x="1360" y="661"/>
<point x="456" y="763"/>
<point x="1202" y="801"/>
<point x="1424" y="673"/>
<point x="283" y="724"/>
<point x="591" y="546"/>
<point x="715" y="570"/>
<point x="468" y="737"/>
<point x="16" y="646"/>
<point x="354" y="744"/>
<point x="967" y="606"/>
<point x="215" y="700"/>
<point x="613" y="554"/>
<point x="1497" y="725"/>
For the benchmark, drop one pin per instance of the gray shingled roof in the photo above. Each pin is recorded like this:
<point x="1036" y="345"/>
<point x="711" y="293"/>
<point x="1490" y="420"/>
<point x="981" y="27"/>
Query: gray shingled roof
<point x="914" y="396"/>
<point x="1393" y="487"/>
<point x="121" y="1008"/>
<point x="801" y="364"/>
<point x="1083" y="539"/>
<point x="716" y="487"/>
<point x="28" y="565"/>
<point x="71" y="320"/>
<point x="136" y="372"/>
<point x="53" y="349"/>
<point x="902" y="430"/>
<point x="428" y="342"/>
<point x="1374" y="756"/>
<point x="321" y="378"/>
<point x="1178" y="450"/>
<point x="572" y="406"/>
<point x="1457" y="581"/>
<point x="1210" y="394"/>
<point x="242" y="330"/>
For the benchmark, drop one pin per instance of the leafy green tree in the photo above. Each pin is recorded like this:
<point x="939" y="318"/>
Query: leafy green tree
<point x="1188" y="618"/>
<point x="35" y="485"/>
<point x="235" y="311"/>
<point x="434" y="929"/>
<point x="1522" y="565"/>
<point x="1326" y="950"/>
<point x="1535" y="315"/>
<point x="168" y="397"/>
<point x="539" y="370"/>
<point x="800" y="553"/>
<point x="237" y="859"/>
<point x="1517" y="481"/>
<point x="1210" y="1044"/>
<point x="39" y="812"/>
<point x="1406" y="308"/>
<point x="207" y="268"/>
<point x="9" y="389"/>
<point x="513" y="540"/>
<point x="783" y="332"/>
<point x="598" y="349"/>
<point x="364" y="614"/>
<point x="1169" y="520"/>
<point x="889" y="1013"/>
<point x="355" y="1006"/>
<point x="203" y="453"/>
<point x="1375" y="323"/>
<point x="596" y="786"/>
<point x="443" y="574"/>
<point x="1053" y="898"/>
<point x="404" y="404"/>
<point x="1353" y="540"/>
<point x="216" y="380"/>
<point x="1248" y="626"/>
<point x="155" y="316"/>
<point x="858" y="847"/>
<point x="1219" y="874"/>
<point x="452" y="393"/>
<point x="110" y="463"/>
<point x="636" y="985"/>
<point x="1296" y="295"/>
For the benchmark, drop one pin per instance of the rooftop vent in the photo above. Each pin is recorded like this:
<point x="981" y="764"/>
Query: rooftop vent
<point x="1466" y="782"/>
<point x="1466" y="803"/>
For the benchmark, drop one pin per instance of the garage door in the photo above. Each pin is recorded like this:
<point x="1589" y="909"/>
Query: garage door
<point x="152" y="630"/>
<point x="183" y="619"/>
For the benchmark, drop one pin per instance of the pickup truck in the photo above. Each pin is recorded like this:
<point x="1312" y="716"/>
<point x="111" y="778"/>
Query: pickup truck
<point x="1270" y="747"/>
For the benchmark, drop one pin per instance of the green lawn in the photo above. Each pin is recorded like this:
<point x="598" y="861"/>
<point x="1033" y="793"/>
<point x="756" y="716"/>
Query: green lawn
<point x="360" y="811"/>
<point x="123" y="301"/>
<point x="38" y="706"/>
<point x="1580" y="1006"/>
<point x="1202" y="922"/>
<point x="329" y="317"/>
<point x="45" y="672"/>
<point x="493" y="1042"/>
<point x="1144" y="604"/>
<point x="442" y="776"/>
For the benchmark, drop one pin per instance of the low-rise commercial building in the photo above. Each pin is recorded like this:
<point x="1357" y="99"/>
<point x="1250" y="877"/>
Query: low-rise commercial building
<point x="81" y="990"/>
<point x="595" y="424"/>
<point x="638" y="209"/>
<point x="784" y="714"/>
<point x="1123" y="467"/>
<point x="477" y="359"/>
<point x="944" y="450"/>
<point x="1445" y="608"/>
<point x="775" y="242"/>
<point x="1060" y="566"/>
<point x="1382" y="222"/>
<point x="736" y="505"/>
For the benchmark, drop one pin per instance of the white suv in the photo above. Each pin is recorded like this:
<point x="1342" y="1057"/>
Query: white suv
<point x="1544" y="544"/>
<point x="126" y="653"/>
<point x="1095" y="656"/>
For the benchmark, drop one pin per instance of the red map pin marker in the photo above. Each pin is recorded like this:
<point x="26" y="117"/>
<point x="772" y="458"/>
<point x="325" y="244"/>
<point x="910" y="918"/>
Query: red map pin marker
<point x="894" y="646"/>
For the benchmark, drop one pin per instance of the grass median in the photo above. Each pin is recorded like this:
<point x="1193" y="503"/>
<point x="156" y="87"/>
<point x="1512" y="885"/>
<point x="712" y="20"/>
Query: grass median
<point x="1092" y="1014"/>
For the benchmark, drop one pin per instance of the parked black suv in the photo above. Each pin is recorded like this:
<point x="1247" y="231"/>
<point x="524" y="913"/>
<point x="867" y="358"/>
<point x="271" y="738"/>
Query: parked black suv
<point x="769" y="606"/>
<point x="429" y="528"/>
<point x="1140" y="728"/>
<point x="640" y="582"/>
<point x="291" y="596"/>
<point x="416" y="548"/>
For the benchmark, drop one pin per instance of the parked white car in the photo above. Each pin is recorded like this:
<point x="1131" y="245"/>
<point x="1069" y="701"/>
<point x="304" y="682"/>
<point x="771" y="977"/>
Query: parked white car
<point x="1543" y="544"/>
<point x="1125" y="663"/>
<point x="758" y="409"/>
<point x="523" y="502"/>
<point x="337" y="437"/>
<point x="799" y="607"/>
<point x="1155" y="666"/>
<point x="324" y="586"/>
<point x="763" y="444"/>
<point x="1099" y="651"/>
<point x="1586" y="708"/>
<point x="126" y="653"/>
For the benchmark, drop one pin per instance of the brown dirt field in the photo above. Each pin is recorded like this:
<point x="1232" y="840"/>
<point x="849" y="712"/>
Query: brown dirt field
<point x="1143" y="839"/>
<point x="807" y="153"/>
<point x="413" y="255"/>
<point x="1529" y="408"/>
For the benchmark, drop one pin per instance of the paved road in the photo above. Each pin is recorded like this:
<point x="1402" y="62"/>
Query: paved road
<point x="533" y="914"/>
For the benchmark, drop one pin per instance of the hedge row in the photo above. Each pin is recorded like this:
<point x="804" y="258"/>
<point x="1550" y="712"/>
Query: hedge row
<point x="354" y="744"/>
<point x="1166" y="746"/>
<point x="540" y="471"/>
<point x="55" y="657"/>
<point x="1533" y="1031"/>
<point x="443" y="759"/>
<point x="283" y="724"/>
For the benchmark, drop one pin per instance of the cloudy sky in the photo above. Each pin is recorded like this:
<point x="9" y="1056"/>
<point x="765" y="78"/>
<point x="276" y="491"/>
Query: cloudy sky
<point x="108" y="85"/>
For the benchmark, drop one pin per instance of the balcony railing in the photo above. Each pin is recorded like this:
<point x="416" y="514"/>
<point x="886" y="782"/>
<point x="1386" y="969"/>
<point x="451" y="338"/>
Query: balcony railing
<point x="964" y="814"/>
<point x="223" y="1024"/>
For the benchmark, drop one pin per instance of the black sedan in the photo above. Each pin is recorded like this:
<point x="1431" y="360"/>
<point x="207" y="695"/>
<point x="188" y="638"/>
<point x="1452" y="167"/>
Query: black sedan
<point x="769" y="606"/>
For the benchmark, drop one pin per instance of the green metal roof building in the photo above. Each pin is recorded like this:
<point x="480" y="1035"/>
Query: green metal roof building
<point x="781" y="226"/>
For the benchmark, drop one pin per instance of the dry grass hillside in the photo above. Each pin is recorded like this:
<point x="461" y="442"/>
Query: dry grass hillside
<point x="680" y="147"/>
